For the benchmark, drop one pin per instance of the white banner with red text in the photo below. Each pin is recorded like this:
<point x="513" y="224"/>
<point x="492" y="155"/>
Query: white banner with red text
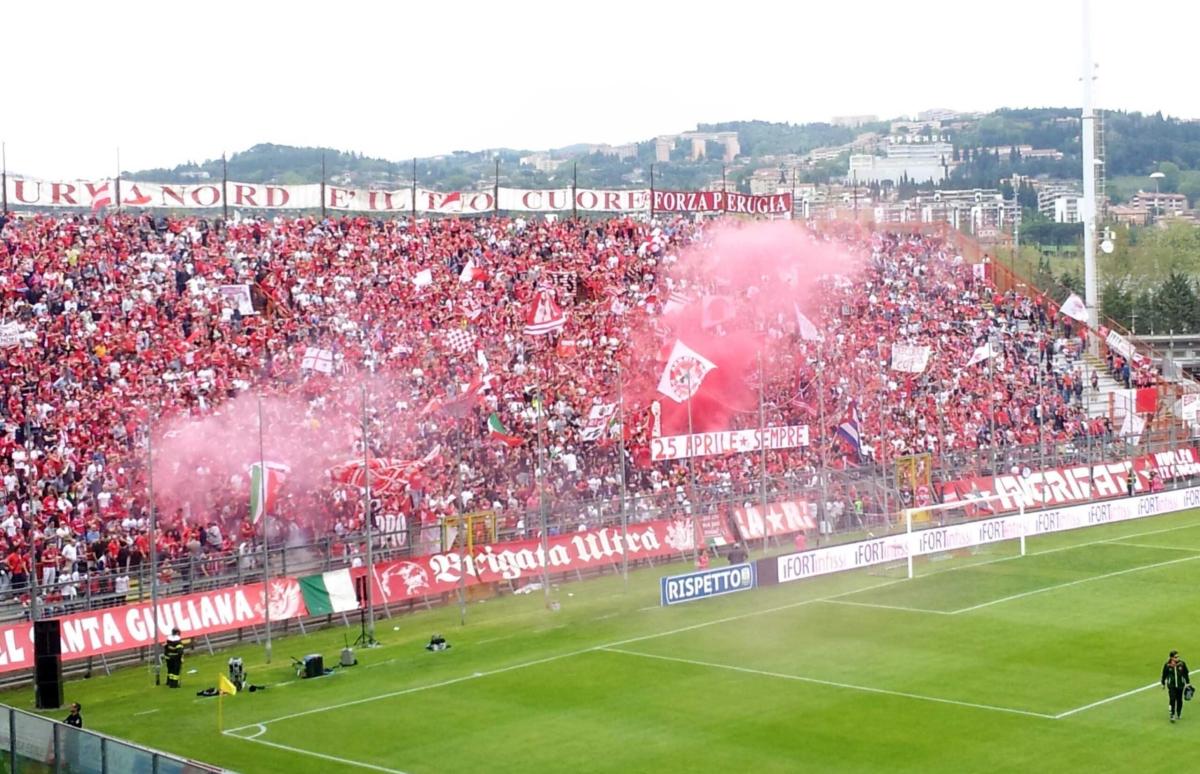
<point x="680" y="447"/>
<point x="896" y="548"/>
<point x="114" y="629"/>
<point x="97" y="194"/>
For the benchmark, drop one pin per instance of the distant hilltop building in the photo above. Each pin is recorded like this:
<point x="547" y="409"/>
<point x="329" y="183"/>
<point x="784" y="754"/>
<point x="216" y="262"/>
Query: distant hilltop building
<point x="1060" y="200"/>
<point x="663" y="144"/>
<point x="914" y="159"/>
<point x="542" y="162"/>
<point x="938" y="114"/>
<point x="853" y="122"/>
<point x="622" y="152"/>
<point x="1026" y="152"/>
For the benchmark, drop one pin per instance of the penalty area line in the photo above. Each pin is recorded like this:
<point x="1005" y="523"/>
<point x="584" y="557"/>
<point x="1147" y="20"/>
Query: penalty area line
<point x="878" y="606"/>
<point x="313" y="754"/>
<point x="1077" y="582"/>
<point x="833" y="683"/>
<point x="1102" y="702"/>
<point x="549" y="659"/>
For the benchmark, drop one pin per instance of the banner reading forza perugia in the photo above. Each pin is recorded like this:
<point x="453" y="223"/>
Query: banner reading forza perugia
<point x="97" y="194"/>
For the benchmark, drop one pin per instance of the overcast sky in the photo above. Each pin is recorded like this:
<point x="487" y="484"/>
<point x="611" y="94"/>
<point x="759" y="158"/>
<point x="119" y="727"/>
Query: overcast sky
<point x="169" y="82"/>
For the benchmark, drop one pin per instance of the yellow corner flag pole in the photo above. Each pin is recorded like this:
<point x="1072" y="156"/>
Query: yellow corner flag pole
<point x="224" y="686"/>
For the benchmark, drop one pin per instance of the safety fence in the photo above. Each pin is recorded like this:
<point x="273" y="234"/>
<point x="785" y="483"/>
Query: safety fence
<point x="431" y="565"/>
<point x="37" y="745"/>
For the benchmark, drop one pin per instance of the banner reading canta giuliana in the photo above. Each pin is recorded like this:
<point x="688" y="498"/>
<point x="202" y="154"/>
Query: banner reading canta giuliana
<point x="114" y="629"/>
<point x="136" y="194"/>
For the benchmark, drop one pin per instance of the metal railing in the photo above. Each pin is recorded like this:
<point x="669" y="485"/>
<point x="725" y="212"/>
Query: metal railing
<point x="834" y="492"/>
<point x="32" y="743"/>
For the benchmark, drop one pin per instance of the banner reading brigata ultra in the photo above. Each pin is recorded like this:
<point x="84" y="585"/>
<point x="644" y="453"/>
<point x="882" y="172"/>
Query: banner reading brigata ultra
<point x="98" y="632"/>
<point x="95" y="194"/>
<point x="444" y="572"/>
<point x="1075" y="484"/>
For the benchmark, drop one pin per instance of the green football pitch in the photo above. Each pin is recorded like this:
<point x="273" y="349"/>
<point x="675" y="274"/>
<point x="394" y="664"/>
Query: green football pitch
<point x="984" y="662"/>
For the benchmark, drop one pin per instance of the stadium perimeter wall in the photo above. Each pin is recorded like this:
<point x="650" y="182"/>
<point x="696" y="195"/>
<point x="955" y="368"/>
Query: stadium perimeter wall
<point x="239" y="602"/>
<point x="932" y="540"/>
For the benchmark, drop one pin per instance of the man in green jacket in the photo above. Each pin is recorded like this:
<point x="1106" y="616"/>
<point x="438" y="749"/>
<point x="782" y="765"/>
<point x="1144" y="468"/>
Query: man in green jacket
<point x="1175" y="678"/>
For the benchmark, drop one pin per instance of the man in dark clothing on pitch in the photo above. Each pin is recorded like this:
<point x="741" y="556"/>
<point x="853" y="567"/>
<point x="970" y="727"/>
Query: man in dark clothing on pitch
<point x="173" y="651"/>
<point x="1175" y="678"/>
<point x="75" y="719"/>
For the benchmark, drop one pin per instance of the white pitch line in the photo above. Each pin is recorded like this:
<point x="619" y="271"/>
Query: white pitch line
<point x="1057" y="549"/>
<point x="548" y="659"/>
<point x="145" y="712"/>
<point x="834" y="684"/>
<point x="1068" y="713"/>
<point x="1072" y="547"/>
<point x="886" y="607"/>
<point x="323" y="756"/>
<point x="1068" y="584"/>
<point x="406" y="691"/>
<point x="877" y="606"/>
<point x="495" y="639"/>
<point x="681" y="630"/>
<point x="1157" y="548"/>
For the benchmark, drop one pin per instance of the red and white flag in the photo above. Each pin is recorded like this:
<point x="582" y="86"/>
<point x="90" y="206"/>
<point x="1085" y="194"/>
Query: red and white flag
<point x="317" y="359"/>
<point x="598" y="421"/>
<point x="982" y="353"/>
<point x="471" y="272"/>
<point x="1074" y="308"/>
<point x="808" y="331"/>
<point x="459" y="339"/>
<point x="684" y="372"/>
<point x="544" y="316"/>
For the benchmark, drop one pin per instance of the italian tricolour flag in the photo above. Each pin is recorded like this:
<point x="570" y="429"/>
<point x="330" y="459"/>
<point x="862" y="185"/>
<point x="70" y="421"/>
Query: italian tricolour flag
<point x="330" y="592"/>
<point x="497" y="431"/>
<point x="264" y="489"/>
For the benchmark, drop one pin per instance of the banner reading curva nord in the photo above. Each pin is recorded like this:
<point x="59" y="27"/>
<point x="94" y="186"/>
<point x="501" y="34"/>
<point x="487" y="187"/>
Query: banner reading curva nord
<point x="136" y="194"/>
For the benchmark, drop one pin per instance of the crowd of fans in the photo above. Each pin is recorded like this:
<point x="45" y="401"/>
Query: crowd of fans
<point x="119" y="331"/>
